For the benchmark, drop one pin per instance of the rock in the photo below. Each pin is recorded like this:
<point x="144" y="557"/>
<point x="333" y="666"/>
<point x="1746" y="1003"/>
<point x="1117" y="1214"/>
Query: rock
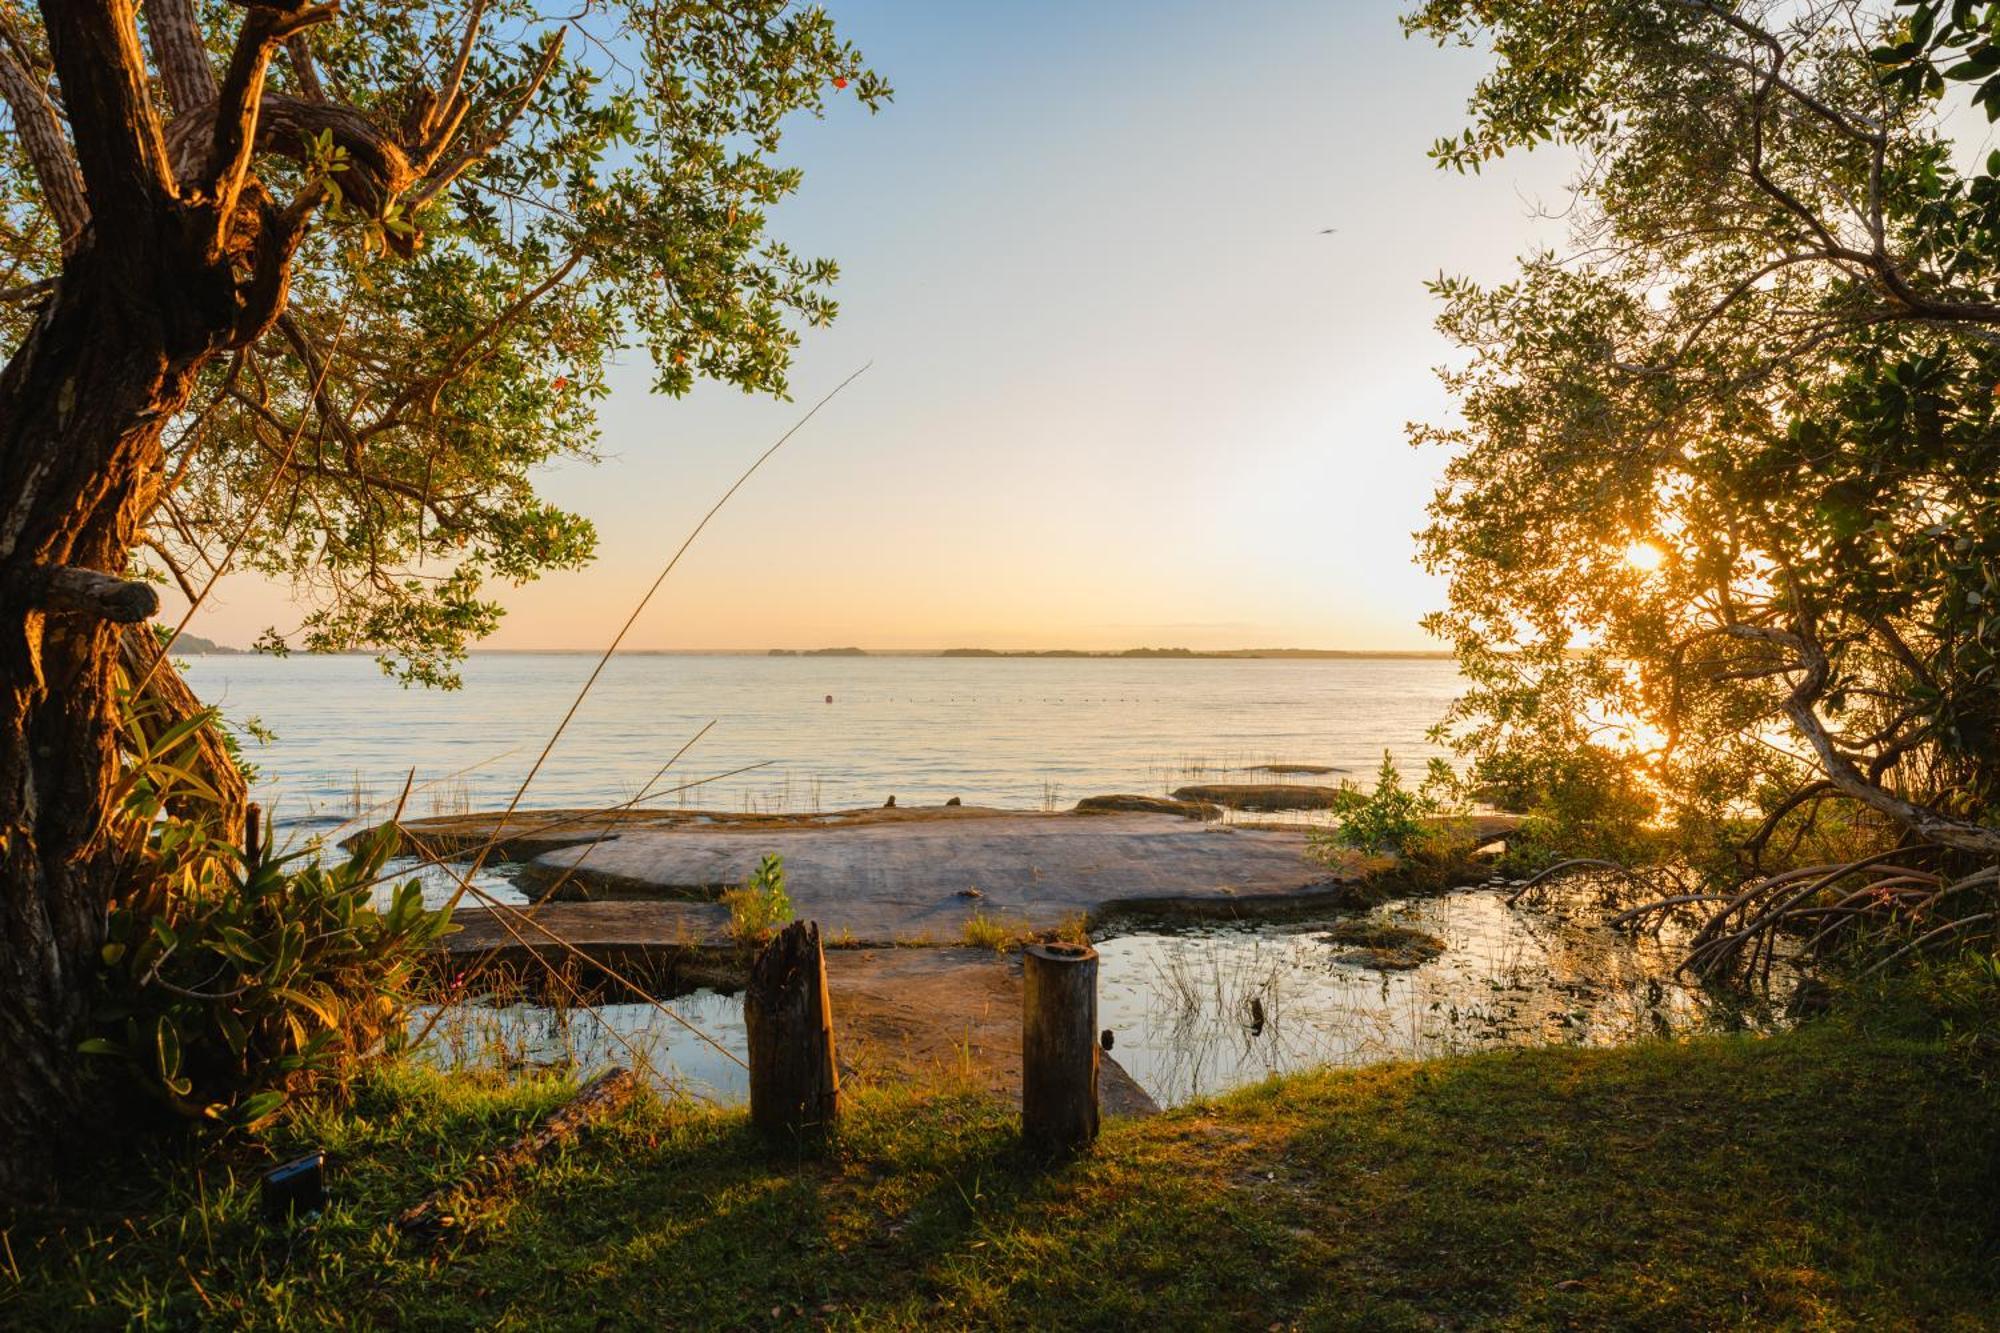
<point x="1147" y="805"/>
<point x="889" y="804"/>
<point x="954" y="801"/>
<point x="970" y="893"/>
<point x="1381" y="944"/>
<point x="1265" y="797"/>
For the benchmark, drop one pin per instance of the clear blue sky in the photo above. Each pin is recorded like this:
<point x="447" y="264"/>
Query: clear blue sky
<point x="1124" y="392"/>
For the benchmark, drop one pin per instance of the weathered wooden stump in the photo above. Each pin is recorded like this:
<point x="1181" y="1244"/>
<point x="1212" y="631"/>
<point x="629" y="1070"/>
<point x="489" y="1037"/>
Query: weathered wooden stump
<point x="794" y="1087"/>
<point x="1058" y="1047"/>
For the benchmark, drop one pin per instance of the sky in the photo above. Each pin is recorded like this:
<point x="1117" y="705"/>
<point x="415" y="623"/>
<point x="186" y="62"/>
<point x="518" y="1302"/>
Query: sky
<point x="1122" y="390"/>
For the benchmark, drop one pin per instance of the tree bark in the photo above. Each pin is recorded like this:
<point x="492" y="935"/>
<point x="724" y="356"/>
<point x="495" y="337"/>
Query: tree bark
<point x="788" y="1018"/>
<point x="110" y="359"/>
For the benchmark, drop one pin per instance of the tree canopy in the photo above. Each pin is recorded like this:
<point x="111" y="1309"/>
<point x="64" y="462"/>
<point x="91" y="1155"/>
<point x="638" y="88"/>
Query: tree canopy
<point x="599" y="178"/>
<point x="1721" y="519"/>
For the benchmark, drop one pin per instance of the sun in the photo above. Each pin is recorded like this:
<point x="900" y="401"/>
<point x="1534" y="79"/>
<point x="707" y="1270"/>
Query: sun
<point x="1644" y="557"/>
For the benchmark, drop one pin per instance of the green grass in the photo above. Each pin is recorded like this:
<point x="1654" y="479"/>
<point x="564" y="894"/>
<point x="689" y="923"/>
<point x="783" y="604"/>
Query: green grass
<point x="1828" y="1178"/>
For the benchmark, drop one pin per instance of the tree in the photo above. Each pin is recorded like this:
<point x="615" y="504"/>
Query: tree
<point x="317" y="290"/>
<point x="1722" y="516"/>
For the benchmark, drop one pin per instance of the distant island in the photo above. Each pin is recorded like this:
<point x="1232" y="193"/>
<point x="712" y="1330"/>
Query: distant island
<point x="196" y="646"/>
<point x="819" y="652"/>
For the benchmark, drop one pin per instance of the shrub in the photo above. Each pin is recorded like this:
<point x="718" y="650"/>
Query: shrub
<point x="1391" y="817"/>
<point x="1412" y="826"/>
<point x="227" y="988"/>
<point x="757" y="909"/>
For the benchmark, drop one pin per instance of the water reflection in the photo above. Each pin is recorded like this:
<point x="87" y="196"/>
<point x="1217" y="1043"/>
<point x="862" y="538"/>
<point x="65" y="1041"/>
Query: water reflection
<point x="670" y="1053"/>
<point x="1202" y="1011"/>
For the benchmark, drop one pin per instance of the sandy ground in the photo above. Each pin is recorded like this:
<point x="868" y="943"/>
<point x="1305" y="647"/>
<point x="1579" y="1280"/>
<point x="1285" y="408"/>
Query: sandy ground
<point x="918" y="1013"/>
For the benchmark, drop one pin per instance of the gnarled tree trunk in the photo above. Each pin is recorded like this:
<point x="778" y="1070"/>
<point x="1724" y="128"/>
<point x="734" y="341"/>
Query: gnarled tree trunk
<point x="172" y="251"/>
<point x="83" y="402"/>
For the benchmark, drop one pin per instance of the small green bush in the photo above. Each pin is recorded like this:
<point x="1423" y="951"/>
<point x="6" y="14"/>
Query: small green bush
<point x="1412" y="826"/>
<point x="981" y="931"/>
<point x="760" y="907"/>
<point x="1389" y="819"/>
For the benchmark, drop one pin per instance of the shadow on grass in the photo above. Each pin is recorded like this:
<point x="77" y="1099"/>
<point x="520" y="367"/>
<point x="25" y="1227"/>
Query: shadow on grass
<point x="1818" y="1178"/>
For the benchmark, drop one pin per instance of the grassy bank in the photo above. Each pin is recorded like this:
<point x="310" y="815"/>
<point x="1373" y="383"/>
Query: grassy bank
<point x="1829" y="1177"/>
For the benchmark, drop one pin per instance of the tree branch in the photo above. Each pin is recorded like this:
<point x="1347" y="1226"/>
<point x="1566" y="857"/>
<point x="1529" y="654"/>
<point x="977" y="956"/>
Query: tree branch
<point x="1926" y="823"/>
<point x="468" y="153"/>
<point x="42" y="137"/>
<point x="180" y="53"/>
<point x="95" y="593"/>
<point x="267" y="29"/>
<point x="378" y="168"/>
<point x="119" y="147"/>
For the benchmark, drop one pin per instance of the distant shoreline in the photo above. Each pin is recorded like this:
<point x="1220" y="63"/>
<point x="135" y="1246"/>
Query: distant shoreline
<point x="1060" y="654"/>
<point x="203" y="648"/>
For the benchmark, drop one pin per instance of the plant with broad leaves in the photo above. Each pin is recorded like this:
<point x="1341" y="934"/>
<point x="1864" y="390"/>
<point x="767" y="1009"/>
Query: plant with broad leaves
<point x="229" y="986"/>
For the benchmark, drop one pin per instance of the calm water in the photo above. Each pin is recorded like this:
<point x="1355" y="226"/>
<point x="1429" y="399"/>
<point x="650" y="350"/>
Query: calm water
<point x="1022" y="733"/>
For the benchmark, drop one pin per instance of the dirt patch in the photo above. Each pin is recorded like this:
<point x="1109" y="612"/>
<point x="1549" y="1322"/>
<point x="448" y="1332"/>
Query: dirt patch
<point x="910" y="1015"/>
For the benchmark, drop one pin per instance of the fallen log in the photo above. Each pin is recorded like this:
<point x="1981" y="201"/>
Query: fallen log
<point x="439" y="1210"/>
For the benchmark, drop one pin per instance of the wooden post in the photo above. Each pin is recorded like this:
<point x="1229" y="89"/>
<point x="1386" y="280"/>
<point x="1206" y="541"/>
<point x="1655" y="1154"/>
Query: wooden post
<point x="1058" y="1047"/>
<point x="794" y="1088"/>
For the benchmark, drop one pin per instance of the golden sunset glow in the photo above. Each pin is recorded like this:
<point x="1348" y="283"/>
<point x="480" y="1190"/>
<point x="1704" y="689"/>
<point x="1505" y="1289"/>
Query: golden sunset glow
<point x="1644" y="557"/>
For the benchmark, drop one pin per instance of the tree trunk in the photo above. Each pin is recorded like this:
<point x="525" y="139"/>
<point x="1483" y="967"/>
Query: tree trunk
<point x="110" y="359"/>
<point x="788" y="1018"/>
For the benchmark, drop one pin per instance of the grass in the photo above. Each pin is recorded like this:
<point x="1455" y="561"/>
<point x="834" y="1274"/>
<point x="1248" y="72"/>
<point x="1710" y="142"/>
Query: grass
<point x="1828" y="1178"/>
<point x="981" y="931"/>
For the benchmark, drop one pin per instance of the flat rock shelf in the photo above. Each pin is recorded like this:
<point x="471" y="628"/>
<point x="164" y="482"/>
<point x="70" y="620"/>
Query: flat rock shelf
<point x="888" y="881"/>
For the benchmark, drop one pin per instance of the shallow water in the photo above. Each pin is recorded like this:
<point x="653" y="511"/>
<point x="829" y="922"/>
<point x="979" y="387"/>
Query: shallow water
<point x="679" y="1056"/>
<point x="1179" y="1004"/>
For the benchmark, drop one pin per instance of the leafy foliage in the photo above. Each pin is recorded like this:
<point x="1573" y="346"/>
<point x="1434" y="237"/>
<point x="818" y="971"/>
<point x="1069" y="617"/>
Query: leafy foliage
<point x="1389" y="817"/>
<point x="1720" y="518"/>
<point x="227" y="987"/>
<point x="377" y="447"/>
<point x="759" y="907"/>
